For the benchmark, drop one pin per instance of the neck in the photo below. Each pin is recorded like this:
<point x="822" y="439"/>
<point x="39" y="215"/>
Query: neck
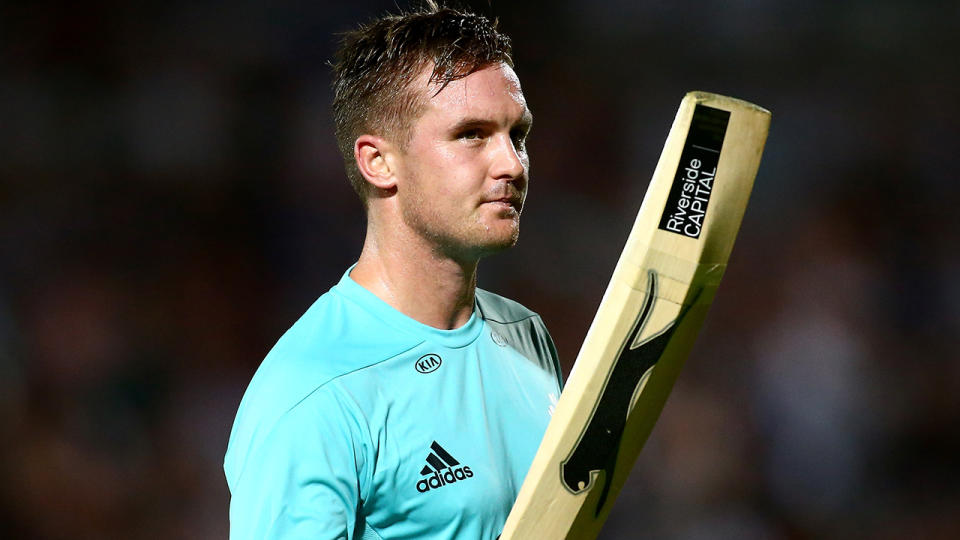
<point x="416" y="280"/>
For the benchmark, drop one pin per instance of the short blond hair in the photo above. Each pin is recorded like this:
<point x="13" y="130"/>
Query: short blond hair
<point x="376" y="64"/>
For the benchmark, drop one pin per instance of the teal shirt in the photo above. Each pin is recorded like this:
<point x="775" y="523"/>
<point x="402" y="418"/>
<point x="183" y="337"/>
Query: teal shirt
<point x="364" y="423"/>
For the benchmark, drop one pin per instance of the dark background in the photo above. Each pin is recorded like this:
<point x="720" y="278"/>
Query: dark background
<point x="172" y="200"/>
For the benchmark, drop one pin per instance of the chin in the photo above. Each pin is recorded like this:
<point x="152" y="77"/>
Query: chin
<point x="502" y="242"/>
<point x="483" y="238"/>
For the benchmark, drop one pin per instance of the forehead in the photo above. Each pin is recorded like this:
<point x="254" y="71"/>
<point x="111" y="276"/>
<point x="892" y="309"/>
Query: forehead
<point x="493" y="91"/>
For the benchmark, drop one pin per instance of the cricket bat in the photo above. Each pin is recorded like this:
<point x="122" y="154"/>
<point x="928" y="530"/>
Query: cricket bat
<point x="647" y="321"/>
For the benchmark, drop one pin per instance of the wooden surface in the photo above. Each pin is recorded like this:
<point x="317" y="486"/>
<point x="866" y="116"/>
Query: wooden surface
<point x="661" y="277"/>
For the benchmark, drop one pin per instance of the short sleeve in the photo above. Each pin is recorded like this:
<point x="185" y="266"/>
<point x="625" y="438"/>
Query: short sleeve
<point x="305" y="478"/>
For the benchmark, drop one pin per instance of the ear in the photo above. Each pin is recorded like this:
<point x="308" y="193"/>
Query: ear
<point x="373" y="155"/>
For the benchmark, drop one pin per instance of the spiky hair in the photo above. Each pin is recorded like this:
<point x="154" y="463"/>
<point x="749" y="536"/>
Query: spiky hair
<point x="376" y="64"/>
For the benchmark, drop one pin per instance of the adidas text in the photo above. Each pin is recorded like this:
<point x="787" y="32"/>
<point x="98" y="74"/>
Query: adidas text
<point x="438" y="480"/>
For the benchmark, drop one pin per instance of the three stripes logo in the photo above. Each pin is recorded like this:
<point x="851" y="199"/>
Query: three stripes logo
<point x="441" y="469"/>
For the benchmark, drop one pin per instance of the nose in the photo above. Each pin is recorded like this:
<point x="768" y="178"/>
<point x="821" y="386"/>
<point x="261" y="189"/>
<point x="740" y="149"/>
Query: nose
<point x="508" y="162"/>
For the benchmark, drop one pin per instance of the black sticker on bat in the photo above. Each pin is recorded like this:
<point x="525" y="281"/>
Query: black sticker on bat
<point x="693" y="182"/>
<point x="599" y="442"/>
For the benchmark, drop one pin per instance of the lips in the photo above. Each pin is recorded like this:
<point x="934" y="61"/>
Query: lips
<point x="512" y="199"/>
<point x="513" y="202"/>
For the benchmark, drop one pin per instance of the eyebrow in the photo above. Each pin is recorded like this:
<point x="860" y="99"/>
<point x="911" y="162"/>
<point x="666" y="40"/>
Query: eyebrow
<point x="525" y="121"/>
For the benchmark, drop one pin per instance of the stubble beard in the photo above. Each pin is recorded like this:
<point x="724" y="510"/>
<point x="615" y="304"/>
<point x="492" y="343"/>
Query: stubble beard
<point x="465" y="240"/>
<point x="495" y="242"/>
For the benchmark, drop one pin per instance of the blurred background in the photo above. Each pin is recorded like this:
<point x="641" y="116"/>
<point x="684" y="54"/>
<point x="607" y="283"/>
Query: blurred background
<point x="171" y="200"/>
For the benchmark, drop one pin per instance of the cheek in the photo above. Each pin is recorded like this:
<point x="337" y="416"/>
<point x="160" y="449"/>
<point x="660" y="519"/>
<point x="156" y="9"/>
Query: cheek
<point x="438" y="162"/>
<point x="446" y="173"/>
<point x="456" y="173"/>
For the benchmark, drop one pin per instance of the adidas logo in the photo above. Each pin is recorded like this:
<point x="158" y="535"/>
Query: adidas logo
<point x="441" y="469"/>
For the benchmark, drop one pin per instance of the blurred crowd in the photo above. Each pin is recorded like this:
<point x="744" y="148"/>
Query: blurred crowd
<point x="171" y="200"/>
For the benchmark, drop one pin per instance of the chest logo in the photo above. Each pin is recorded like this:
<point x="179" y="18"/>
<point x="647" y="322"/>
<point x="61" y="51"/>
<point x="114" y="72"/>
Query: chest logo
<point x="428" y="363"/>
<point x="441" y="470"/>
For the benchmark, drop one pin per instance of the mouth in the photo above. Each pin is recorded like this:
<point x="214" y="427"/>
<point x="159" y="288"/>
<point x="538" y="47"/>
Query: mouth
<point x="514" y="204"/>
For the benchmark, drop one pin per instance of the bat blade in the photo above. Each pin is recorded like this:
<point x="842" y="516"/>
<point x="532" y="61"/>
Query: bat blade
<point x="647" y="321"/>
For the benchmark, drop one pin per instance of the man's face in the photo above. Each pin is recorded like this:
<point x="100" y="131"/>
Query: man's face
<point x="463" y="174"/>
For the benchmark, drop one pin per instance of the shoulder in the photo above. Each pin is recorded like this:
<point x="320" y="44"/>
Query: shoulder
<point x="333" y="338"/>
<point x="496" y="308"/>
<point x="522" y="329"/>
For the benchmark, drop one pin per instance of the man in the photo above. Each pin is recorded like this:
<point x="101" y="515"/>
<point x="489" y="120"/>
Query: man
<point x="407" y="403"/>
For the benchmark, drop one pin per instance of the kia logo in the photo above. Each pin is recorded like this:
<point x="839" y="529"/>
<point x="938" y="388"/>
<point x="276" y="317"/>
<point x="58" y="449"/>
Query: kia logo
<point x="428" y="363"/>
